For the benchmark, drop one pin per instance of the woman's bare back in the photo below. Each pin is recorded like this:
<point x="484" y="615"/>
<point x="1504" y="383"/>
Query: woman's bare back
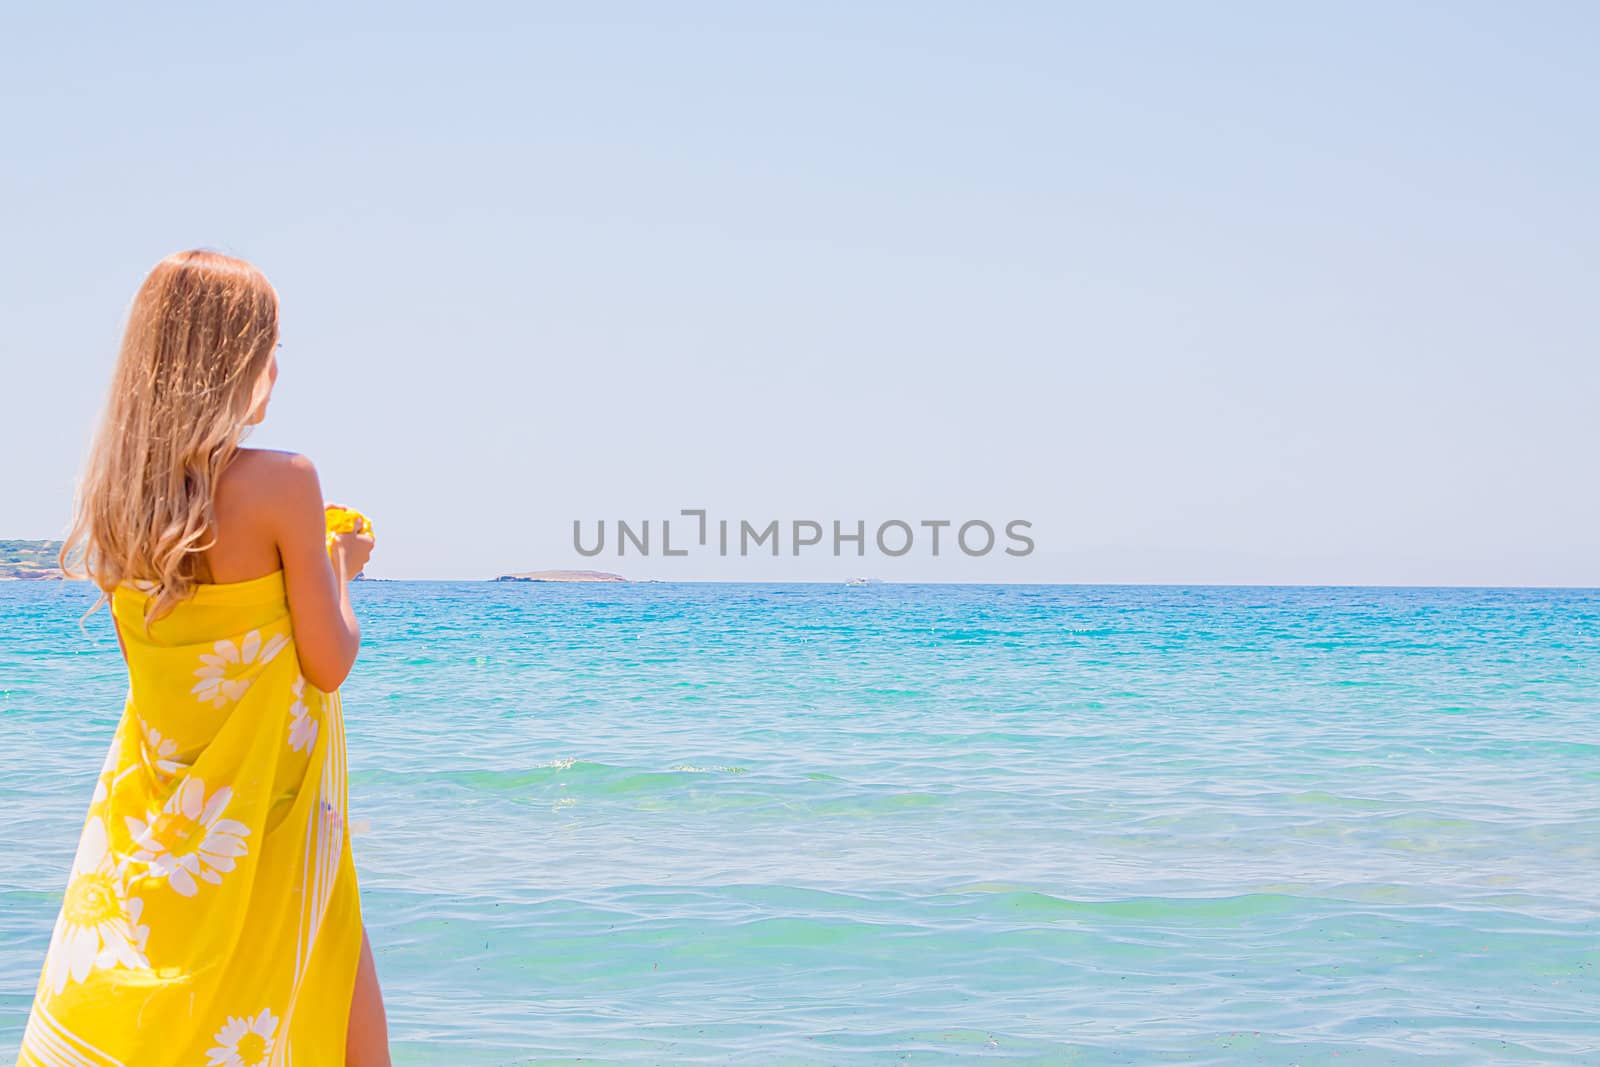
<point x="245" y="547"/>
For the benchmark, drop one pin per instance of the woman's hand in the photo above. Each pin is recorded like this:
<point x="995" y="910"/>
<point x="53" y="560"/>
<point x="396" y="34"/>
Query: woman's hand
<point x="350" y="552"/>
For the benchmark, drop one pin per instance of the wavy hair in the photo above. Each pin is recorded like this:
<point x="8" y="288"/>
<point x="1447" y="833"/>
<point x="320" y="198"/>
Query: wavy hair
<point x="191" y="371"/>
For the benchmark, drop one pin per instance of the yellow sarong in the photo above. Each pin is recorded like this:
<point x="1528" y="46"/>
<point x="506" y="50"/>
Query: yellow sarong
<point x="211" y="917"/>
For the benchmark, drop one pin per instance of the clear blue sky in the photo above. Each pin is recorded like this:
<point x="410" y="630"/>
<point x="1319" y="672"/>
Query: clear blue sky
<point x="1207" y="292"/>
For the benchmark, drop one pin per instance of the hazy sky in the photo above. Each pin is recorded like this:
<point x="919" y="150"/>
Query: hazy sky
<point x="1206" y="292"/>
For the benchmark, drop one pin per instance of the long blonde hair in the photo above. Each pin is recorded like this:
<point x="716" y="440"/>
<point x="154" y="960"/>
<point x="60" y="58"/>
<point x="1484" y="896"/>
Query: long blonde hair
<point x="191" y="371"/>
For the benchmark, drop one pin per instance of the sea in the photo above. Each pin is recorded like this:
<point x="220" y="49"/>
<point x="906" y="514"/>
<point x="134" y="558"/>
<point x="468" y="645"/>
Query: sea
<point x="909" y="825"/>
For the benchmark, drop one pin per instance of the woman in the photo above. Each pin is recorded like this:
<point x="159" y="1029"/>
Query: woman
<point x="211" y="916"/>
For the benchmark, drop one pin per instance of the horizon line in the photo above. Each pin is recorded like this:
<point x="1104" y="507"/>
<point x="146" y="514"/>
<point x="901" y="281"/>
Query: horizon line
<point x="1547" y="587"/>
<point x="935" y="581"/>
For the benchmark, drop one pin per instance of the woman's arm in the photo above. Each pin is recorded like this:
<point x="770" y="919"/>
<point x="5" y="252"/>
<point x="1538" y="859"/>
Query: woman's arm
<point x="325" y="629"/>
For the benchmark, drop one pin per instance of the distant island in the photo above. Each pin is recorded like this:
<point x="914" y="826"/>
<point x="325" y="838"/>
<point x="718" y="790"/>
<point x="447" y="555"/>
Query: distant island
<point x="22" y="561"/>
<point x="561" y="576"/>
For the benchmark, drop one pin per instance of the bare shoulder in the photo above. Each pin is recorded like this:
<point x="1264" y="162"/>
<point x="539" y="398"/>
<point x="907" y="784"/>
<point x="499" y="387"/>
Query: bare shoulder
<point x="268" y="475"/>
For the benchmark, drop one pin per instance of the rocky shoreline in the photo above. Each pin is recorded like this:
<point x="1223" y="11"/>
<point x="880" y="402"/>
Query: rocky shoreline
<point x="29" y="561"/>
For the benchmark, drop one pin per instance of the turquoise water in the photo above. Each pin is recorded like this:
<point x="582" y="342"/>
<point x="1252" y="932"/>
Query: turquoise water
<point x="917" y="825"/>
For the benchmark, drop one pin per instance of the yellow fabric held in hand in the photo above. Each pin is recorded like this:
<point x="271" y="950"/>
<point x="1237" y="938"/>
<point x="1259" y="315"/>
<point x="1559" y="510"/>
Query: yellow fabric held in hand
<point x="211" y="915"/>
<point x="347" y="520"/>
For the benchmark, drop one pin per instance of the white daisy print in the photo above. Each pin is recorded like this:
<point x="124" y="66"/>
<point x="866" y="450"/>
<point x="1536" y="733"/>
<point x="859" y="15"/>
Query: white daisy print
<point x="219" y="683"/>
<point x="302" y="725"/>
<point x="190" y="839"/>
<point x="244" y="1042"/>
<point x="160" y="750"/>
<point x="99" y="924"/>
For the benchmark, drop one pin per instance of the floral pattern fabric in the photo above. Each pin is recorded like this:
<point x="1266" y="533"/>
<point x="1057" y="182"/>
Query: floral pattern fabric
<point x="210" y="916"/>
